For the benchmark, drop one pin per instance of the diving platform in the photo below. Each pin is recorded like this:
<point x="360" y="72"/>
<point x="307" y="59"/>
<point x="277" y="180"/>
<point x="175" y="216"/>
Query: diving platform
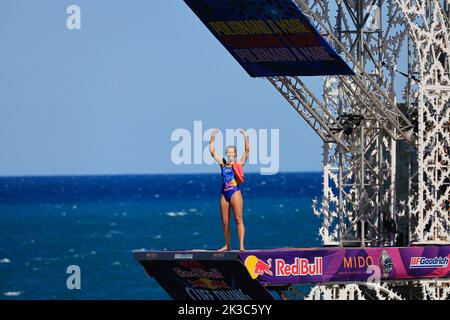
<point x="252" y="274"/>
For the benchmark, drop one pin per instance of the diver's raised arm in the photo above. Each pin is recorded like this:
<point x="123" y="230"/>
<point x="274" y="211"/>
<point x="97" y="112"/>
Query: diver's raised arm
<point x="212" y="149"/>
<point x="244" y="157"/>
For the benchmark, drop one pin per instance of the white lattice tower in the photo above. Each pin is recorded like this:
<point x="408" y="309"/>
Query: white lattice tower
<point x="428" y="26"/>
<point x="353" y="292"/>
<point x="435" y="289"/>
<point x="429" y="204"/>
<point x="360" y="184"/>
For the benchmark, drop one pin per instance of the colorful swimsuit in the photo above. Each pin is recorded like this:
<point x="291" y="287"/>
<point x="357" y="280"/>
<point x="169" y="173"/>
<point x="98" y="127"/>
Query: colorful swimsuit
<point x="229" y="185"/>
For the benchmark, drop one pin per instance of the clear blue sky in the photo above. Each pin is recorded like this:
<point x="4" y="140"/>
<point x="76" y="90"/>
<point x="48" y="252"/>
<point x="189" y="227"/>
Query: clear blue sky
<point x="105" y="99"/>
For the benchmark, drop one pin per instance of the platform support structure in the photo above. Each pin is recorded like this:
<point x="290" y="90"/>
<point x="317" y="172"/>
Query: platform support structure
<point x="428" y="205"/>
<point x="359" y="195"/>
<point x="361" y="203"/>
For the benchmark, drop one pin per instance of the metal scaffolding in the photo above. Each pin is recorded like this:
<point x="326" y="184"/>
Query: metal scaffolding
<point x="364" y="120"/>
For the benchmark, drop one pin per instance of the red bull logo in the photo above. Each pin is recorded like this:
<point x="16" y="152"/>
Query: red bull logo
<point x="257" y="267"/>
<point x="232" y="183"/>
<point x="206" y="283"/>
<point x="300" y="267"/>
<point x="263" y="268"/>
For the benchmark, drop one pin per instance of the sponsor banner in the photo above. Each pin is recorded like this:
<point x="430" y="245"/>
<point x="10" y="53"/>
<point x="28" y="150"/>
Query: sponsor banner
<point x="184" y="277"/>
<point x="269" y="38"/>
<point x="346" y="264"/>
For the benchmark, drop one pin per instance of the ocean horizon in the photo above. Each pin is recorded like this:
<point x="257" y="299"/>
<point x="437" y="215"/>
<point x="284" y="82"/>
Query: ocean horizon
<point x="97" y="221"/>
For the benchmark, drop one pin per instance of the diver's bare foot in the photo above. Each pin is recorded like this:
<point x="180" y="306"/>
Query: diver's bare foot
<point x="241" y="249"/>
<point x="224" y="248"/>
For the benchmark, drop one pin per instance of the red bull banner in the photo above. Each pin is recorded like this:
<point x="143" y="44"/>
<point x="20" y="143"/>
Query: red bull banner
<point x="212" y="275"/>
<point x="203" y="275"/>
<point x="269" y="38"/>
<point x="287" y="266"/>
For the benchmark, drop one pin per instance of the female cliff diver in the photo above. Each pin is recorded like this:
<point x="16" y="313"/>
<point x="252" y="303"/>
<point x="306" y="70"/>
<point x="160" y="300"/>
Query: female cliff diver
<point x="231" y="197"/>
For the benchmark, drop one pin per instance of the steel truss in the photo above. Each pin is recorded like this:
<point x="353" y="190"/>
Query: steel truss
<point x="362" y="124"/>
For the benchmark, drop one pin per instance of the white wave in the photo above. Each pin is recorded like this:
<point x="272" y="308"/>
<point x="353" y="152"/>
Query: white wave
<point x="158" y="236"/>
<point x="176" y="213"/>
<point x="5" y="260"/>
<point x="115" y="263"/>
<point x="193" y="210"/>
<point x="156" y="195"/>
<point x="195" y="233"/>
<point x="12" y="293"/>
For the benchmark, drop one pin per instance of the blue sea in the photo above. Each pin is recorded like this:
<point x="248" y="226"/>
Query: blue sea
<point x="95" y="222"/>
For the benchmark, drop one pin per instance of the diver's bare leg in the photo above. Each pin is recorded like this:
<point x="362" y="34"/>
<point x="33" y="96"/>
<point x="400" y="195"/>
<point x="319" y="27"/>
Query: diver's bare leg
<point x="225" y="213"/>
<point x="237" y="204"/>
